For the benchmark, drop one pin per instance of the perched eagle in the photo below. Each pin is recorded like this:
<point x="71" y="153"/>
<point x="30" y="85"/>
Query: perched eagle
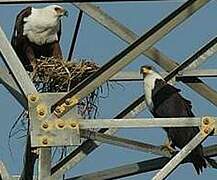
<point x="37" y="33"/>
<point x="164" y="101"/>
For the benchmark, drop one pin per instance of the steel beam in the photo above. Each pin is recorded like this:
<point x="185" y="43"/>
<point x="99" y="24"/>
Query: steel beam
<point x="19" y="74"/>
<point x="174" y="162"/>
<point x="196" y="73"/>
<point x="44" y="164"/>
<point x="128" y="55"/>
<point x="138" y="167"/>
<point x="202" y="54"/>
<point x="4" y="175"/>
<point x="89" y="146"/>
<point x="137" y="123"/>
<point x="125" y="143"/>
<point x="15" y="66"/>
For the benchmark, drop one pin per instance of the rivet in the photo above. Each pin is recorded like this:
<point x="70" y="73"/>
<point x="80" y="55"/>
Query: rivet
<point x="67" y="101"/>
<point x="73" y="124"/>
<point x="206" y="130"/>
<point x="33" y="97"/>
<point x="41" y="109"/>
<point x="206" y="121"/>
<point x="44" y="141"/>
<point x="41" y="112"/>
<point x="45" y="125"/>
<point x="57" y="110"/>
<point x="61" y="124"/>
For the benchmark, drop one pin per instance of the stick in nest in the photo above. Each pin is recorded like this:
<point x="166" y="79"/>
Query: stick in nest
<point x="57" y="75"/>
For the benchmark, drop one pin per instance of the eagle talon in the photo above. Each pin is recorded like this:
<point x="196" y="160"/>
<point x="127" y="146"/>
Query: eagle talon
<point x="168" y="148"/>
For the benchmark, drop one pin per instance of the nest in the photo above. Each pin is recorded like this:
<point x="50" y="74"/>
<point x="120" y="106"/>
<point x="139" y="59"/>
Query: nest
<point x="58" y="75"/>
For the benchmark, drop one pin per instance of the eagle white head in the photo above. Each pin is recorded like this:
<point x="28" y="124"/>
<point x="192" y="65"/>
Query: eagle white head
<point x="43" y="24"/>
<point x="55" y="11"/>
<point x="150" y="76"/>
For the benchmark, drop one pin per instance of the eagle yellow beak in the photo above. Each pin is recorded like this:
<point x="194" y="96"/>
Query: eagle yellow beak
<point x="144" y="71"/>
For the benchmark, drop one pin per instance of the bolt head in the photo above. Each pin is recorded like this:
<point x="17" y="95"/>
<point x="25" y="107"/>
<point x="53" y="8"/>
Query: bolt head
<point x="73" y="125"/>
<point x="33" y="97"/>
<point x="68" y="101"/>
<point x="61" y="124"/>
<point x="206" y="121"/>
<point x="45" y="125"/>
<point x="41" y="113"/>
<point x="206" y="130"/>
<point x="44" y="141"/>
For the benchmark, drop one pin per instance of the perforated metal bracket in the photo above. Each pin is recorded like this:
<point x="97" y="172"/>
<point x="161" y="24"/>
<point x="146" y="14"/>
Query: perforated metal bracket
<point x="55" y="131"/>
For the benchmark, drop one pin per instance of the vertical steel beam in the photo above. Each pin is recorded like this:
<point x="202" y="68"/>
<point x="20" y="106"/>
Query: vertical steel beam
<point x="44" y="164"/>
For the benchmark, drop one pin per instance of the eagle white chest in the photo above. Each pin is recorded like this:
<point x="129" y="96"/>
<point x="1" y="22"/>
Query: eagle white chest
<point x="149" y="84"/>
<point x="41" y="27"/>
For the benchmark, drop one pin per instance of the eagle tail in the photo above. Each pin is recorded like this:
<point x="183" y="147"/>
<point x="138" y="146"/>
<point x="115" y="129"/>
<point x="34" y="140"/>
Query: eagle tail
<point x="198" y="160"/>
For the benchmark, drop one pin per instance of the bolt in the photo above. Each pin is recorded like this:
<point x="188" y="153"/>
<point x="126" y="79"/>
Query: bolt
<point x="57" y="110"/>
<point x="45" y="125"/>
<point x="73" y="124"/>
<point x="33" y="97"/>
<point x="44" y="141"/>
<point x="206" y="130"/>
<point x="206" y="121"/>
<point x="67" y="101"/>
<point x="61" y="124"/>
<point x="41" y="112"/>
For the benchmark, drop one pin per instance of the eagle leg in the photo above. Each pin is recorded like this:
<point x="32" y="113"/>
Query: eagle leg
<point x="168" y="146"/>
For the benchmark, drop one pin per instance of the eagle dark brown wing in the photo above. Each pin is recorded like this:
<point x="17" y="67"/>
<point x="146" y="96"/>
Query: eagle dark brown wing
<point x="168" y="102"/>
<point x="19" y="42"/>
<point x="28" y="51"/>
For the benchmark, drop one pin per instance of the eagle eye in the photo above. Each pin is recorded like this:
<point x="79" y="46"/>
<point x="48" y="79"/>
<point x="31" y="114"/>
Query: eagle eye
<point x="57" y="9"/>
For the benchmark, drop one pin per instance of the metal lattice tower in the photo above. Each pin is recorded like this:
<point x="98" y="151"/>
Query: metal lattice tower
<point x="65" y="126"/>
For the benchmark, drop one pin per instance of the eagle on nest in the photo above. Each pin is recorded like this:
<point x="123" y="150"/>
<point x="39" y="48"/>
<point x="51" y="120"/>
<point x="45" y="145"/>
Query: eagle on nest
<point x="37" y="33"/>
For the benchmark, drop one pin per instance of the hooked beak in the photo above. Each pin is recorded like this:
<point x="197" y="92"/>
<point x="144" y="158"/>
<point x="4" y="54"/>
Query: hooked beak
<point x="144" y="71"/>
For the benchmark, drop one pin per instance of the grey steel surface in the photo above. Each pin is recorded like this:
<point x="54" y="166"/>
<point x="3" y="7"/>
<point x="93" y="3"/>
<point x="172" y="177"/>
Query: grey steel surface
<point x="201" y="54"/>
<point x="197" y="73"/>
<point x="123" y="142"/>
<point x="54" y="135"/>
<point x="130" y="53"/>
<point x="88" y="146"/>
<point x="139" y="123"/>
<point x="3" y="172"/>
<point x="174" y="162"/>
<point x="13" y="63"/>
<point x="44" y="164"/>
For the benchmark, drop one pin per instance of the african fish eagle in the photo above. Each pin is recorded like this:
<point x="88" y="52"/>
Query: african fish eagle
<point x="37" y="33"/>
<point x="164" y="101"/>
